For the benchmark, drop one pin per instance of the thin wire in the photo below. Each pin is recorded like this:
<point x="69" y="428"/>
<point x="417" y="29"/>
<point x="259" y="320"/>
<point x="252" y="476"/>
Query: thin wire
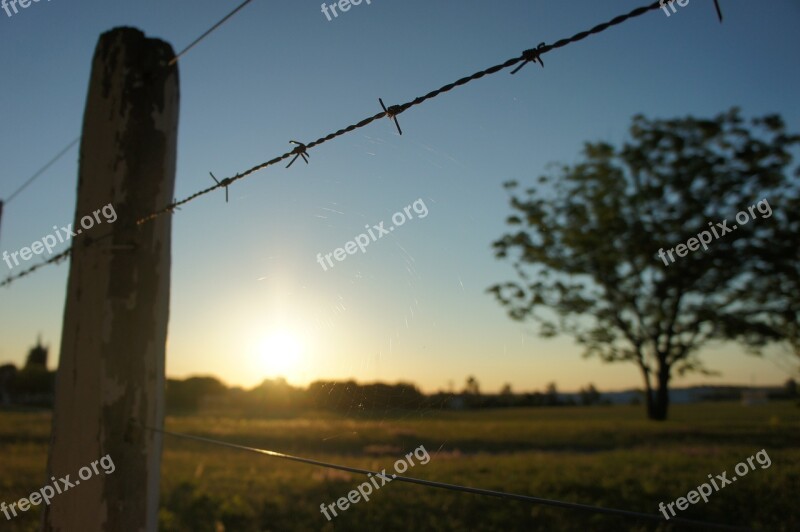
<point x="452" y="487"/>
<point x="392" y="111"/>
<point x="172" y="62"/>
<point x="395" y="110"/>
<point x="203" y="36"/>
<point x="777" y="362"/>
<point x="42" y="170"/>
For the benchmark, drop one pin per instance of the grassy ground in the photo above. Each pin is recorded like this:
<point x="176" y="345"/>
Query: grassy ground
<point x="606" y="456"/>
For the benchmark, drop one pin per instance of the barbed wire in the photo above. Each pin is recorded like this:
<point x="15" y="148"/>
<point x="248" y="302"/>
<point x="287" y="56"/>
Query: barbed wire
<point x="452" y="487"/>
<point x="530" y="55"/>
<point x="87" y="241"/>
<point x="75" y="141"/>
<point x="63" y="255"/>
<point x="52" y="260"/>
<point x="391" y="112"/>
<point x="171" y="62"/>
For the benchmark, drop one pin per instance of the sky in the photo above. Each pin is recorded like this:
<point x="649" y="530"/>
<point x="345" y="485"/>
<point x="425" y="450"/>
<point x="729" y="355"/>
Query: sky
<point x="249" y="299"/>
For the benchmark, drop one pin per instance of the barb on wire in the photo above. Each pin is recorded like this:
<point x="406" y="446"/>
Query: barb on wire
<point x="719" y="10"/>
<point x="531" y="56"/>
<point x="208" y="32"/>
<point x="394" y="110"/>
<point x="52" y="260"/>
<point x="223" y="184"/>
<point x="443" y="485"/>
<point x="85" y="241"/>
<point x="392" y="113"/>
<point x="299" y="151"/>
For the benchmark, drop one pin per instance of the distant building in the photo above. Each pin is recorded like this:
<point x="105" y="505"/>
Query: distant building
<point x="37" y="357"/>
<point x="754" y="397"/>
<point x="457" y="402"/>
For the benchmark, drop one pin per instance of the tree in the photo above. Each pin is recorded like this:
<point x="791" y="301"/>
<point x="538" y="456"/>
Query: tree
<point x="551" y="395"/>
<point x="472" y="387"/>
<point x="186" y="395"/>
<point x="791" y="388"/>
<point x="589" y="395"/>
<point x="585" y="243"/>
<point x="774" y="291"/>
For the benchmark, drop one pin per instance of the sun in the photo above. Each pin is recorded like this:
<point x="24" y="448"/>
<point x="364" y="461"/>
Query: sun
<point x="281" y="353"/>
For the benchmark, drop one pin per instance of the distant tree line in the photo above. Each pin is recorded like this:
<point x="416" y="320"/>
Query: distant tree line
<point x="277" y="397"/>
<point x="33" y="386"/>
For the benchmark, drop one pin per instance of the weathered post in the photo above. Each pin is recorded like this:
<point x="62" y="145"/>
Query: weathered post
<point x="111" y="367"/>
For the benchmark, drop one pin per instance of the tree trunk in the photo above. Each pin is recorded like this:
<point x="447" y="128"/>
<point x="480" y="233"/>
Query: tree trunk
<point x="648" y="390"/>
<point x="662" y="396"/>
<point x="658" y="404"/>
<point x="657" y="401"/>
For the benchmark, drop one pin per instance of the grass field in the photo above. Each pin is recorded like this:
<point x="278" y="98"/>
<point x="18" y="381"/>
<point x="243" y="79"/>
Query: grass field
<point x="606" y="456"/>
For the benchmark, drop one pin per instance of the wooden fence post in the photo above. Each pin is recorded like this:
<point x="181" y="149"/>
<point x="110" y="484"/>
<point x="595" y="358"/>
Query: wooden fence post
<point x="111" y="367"/>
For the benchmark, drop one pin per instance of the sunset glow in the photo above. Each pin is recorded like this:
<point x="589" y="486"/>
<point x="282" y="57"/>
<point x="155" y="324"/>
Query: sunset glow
<point x="281" y="354"/>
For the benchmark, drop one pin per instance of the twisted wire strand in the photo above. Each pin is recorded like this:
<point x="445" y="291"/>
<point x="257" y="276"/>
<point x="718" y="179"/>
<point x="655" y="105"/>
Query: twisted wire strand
<point x="88" y="242"/>
<point x="392" y="111"/>
<point x="398" y="109"/>
<point x="55" y="258"/>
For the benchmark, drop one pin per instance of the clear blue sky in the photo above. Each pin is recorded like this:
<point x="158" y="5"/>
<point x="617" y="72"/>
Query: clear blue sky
<point x="413" y="307"/>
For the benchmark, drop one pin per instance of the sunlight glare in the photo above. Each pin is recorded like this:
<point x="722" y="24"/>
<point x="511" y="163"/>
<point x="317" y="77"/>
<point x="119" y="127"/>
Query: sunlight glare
<point x="281" y="354"/>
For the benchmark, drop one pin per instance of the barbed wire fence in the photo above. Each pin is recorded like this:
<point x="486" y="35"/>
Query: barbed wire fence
<point x="532" y="55"/>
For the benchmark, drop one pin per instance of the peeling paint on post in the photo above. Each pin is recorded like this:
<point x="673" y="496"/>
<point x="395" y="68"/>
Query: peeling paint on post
<point x="111" y="367"/>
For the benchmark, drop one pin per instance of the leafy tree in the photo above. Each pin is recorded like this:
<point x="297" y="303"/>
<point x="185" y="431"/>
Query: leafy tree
<point x="585" y="244"/>
<point x="551" y="394"/>
<point x="185" y="395"/>
<point x="589" y="395"/>
<point x="472" y="387"/>
<point x="350" y="396"/>
<point x="472" y="393"/>
<point x="774" y="290"/>
<point x="790" y="386"/>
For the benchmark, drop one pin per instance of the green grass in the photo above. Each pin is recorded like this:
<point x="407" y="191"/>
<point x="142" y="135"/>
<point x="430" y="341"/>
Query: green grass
<point x="606" y="456"/>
